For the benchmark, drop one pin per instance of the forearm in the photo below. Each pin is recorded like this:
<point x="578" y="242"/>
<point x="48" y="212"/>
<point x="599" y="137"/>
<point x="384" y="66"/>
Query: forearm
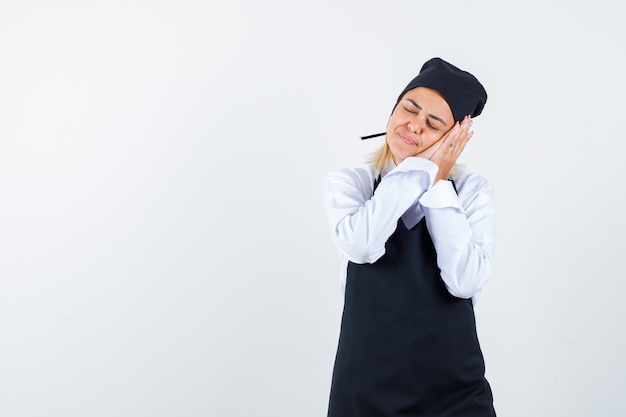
<point x="463" y="236"/>
<point x="362" y="221"/>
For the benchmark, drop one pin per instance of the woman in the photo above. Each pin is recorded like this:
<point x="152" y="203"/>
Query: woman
<point x="416" y="237"/>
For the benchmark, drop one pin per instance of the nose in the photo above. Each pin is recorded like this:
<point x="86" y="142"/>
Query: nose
<point x="415" y="125"/>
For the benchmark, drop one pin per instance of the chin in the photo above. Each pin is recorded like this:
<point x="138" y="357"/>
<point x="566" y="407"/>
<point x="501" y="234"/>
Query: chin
<point x="401" y="156"/>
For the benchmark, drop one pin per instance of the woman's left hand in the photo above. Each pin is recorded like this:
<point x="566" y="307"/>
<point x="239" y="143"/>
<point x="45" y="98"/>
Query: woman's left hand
<point x="447" y="150"/>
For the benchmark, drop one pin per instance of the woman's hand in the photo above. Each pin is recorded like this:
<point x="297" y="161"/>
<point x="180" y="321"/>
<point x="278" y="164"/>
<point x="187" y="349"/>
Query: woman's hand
<point x="447" y="150"/>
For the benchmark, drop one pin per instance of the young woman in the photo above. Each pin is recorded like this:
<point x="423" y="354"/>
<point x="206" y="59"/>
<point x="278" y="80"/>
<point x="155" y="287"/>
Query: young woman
<point x="416" y="238"/>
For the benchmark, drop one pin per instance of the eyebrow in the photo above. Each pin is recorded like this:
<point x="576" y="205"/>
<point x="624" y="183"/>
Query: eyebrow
<point x="439" y="119"/>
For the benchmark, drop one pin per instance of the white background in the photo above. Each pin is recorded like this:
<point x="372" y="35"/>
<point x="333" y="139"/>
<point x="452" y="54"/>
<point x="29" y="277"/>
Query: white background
<point x="163" y="244"/>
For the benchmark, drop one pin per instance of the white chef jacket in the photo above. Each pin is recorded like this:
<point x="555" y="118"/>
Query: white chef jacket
<point x="461" y="225"/>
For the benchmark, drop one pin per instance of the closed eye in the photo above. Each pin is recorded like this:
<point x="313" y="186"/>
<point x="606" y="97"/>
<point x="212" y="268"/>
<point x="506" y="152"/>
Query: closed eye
<point x="430" y="116"/>
<point x="428" y="122"/>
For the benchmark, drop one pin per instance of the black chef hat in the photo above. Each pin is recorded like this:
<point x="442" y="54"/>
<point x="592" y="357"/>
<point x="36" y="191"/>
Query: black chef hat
<point x="462" y="91"/>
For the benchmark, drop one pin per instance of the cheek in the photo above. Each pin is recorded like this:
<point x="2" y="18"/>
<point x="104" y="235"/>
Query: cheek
<point x="432" y="138"/>
<point x="396" y="120"/>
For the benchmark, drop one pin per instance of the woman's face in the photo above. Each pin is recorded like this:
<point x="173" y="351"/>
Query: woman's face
<point x="420" y="119"/>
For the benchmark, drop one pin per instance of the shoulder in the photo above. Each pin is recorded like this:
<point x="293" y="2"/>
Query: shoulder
<point x="360" y="177"/>
<point x="470" y="181"/>
<point x="471" y="185"/>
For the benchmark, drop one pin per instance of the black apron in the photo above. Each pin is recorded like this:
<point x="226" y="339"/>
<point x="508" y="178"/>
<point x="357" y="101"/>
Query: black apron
<point x="407" y="346"/>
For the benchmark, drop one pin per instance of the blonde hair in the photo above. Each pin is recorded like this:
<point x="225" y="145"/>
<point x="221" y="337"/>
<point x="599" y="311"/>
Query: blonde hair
<point x="380" y="158"/>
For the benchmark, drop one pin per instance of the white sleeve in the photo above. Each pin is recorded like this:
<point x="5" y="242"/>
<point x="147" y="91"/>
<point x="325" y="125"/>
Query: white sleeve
<point x="360" y="222"/>
<point x="462" y="230"/>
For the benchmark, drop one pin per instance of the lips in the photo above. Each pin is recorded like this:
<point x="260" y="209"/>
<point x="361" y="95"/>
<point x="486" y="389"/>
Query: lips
<point x="407" y="140"/>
